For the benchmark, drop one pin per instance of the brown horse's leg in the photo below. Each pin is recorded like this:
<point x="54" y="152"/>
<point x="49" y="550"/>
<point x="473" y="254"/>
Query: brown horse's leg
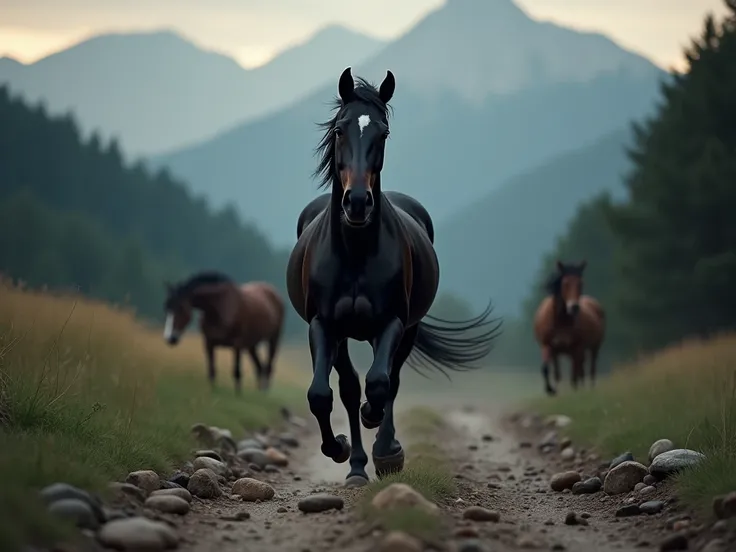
<point x="258" y="368"/>
<point x="556" y="366"/>
<point x="593" y="361"/>
<point x="209" y="351"/>
<point x="578" y="359"/>
<point x="273" y="347"/>
<point x="546" y="357"/>
<point x="236" y="369"/>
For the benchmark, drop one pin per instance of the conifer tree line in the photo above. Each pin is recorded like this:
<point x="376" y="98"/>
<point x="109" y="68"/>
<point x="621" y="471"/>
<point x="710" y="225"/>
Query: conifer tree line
<point x="663" y="261"/>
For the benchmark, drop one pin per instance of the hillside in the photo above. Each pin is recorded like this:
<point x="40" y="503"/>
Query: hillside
<point x="157" y="91"/>
<point x="73" y="215"/>
<point x="493" y="247"/>
<point x="448" y="147"/>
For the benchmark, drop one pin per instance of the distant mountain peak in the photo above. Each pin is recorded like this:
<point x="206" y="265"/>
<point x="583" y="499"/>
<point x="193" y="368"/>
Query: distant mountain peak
<point x="475" y="8"/>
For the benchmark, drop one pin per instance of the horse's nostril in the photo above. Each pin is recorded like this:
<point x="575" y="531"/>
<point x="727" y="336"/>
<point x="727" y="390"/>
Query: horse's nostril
<point x="346" y="199"/>
<point x="369" y="199"/>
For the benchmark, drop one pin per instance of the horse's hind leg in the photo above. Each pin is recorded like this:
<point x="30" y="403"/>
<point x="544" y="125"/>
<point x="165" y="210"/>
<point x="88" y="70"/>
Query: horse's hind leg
<point x="323" y="349"/>
<point x="577" y="365"/>
<point x="209" y="353"/>
<point x="388" y="455"/>
<point x="273" y="347"/>
<point x="350" y="396"/>
<point x="556" y="366"/>
<point x="236" y="369"/>
<point x="546" y="357"/>
<point x="593" y="362"/>
<point x="257" y="366"/>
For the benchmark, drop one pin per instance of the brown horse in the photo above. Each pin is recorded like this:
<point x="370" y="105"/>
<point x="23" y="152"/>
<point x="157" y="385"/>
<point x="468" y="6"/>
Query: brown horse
<point x="569" y="323"/>
<point x="236" y="316"/>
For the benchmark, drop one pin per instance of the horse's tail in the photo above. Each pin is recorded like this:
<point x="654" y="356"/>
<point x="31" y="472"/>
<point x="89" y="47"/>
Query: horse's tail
<point x="442" y="345"/>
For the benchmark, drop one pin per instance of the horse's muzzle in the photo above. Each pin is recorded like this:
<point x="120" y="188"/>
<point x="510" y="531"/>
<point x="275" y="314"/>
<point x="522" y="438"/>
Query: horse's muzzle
<point x="573" y="309"/>
<point x="357" y="204"/>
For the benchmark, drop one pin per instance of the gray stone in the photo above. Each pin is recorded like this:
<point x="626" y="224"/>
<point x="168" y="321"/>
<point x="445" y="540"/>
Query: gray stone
<point x="147" y="480"/>
<point x="203" y="483"/>
<point x="625" y="457"/>
<point x="658" y="447"/>
<point x="255" y="456"/>
<point x="477" y="513"/>
<point x="205" y="462"/>
<point x="289" y="440"/>
<point x="127" y="490"/>
<point x="76" y="511"/>
<point x="649" y="479"/>
<point x="181" y="493"/>
<point x="564" y="480"/>
<point x="209" y="454"/>
<point x="180" y="478"/>
<point x="678" y="541"/>
<point x="138" y="533"/>
<point x="673" y="461"/>
<point x="589" y="486"/>
<point x="246" y="444"/>
<point x="628" y="510"/>
<point x="168" y="504"/>
<point x="251" y="489"/>
<point x="624" y="477"/>
<point x="320" y="502"/>
<point x="651" y="507"/>
<point x="61" y="491"/>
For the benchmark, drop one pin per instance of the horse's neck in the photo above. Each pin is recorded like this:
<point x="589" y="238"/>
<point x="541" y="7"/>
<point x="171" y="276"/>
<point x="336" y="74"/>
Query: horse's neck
<point x="560" y="314"/>
<point x="212" y="300"/>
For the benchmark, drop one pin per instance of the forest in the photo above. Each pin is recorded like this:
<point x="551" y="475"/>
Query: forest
<point x="663" y="260"/>
<point x="75" y="216"/>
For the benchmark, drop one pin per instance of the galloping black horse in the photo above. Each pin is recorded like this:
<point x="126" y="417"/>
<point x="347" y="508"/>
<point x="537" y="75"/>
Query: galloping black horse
<point x="364" y="267"/>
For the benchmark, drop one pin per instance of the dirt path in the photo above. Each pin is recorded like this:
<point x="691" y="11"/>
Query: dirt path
<point x="492" y="471"/>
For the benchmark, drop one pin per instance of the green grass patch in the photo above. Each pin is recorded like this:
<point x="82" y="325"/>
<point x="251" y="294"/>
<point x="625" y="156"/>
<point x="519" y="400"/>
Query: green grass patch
<point x="685" y="393"/>
<point x="426" y="471"/>
<point x="88" y="395"/>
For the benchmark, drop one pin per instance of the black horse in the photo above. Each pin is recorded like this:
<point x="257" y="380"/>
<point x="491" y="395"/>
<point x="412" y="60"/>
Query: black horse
<point x="364" y="267"/>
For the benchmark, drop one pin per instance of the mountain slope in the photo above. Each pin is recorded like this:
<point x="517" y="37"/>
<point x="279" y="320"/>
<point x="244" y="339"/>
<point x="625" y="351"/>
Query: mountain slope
<point x="157" y="91"/>
<point x="493" y="247"/>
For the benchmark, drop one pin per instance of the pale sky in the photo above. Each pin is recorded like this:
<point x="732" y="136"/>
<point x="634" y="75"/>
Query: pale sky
<point x="252" y="31"/>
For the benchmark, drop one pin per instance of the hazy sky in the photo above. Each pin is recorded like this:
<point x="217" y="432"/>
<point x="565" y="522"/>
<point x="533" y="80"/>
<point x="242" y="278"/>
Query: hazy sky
<point x="252" y="31"/>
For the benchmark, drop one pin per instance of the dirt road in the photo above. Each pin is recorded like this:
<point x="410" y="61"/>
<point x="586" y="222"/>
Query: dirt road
<point x="497" y="466"/>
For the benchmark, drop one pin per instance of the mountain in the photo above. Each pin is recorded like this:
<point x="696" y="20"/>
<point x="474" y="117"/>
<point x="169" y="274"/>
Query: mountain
<point x="157" y="91"/>
<point x="493" y="247"/>
<point x="445" y="149"/>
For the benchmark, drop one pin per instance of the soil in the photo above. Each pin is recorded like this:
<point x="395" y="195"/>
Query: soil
<point x="498" y="466"/>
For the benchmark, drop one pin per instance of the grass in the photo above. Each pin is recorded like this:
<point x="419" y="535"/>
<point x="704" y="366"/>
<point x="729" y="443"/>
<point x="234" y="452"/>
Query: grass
<point x="426" y="472"/>
<point x="685" y="393"/>
<point x="88" y="394"/>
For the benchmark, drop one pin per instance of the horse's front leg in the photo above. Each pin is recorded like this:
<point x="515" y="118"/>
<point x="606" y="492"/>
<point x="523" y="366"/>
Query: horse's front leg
<point x="209" y="353"/>
<point x="323" y="347"/>
<point x="377" y="383"/>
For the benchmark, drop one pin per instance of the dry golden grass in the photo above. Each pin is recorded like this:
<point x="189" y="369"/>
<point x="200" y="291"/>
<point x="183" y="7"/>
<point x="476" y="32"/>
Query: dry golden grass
<point x="686" y="393"/>
<point x="88" y="394"/>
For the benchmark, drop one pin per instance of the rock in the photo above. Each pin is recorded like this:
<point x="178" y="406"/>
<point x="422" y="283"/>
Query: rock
<point x="170" y="485"/>
<point x="276" y="457"/>
<point x="169" y="504"/>
<point x="564" y="480"/>
<point x="658" y="447"/>
<point x="487" y="438"/>
<point x="527" y="542"/>
<point x="180" y="478"/>
<point x="565" y="442"/>
<point x="181" y="493"/>
<point x="650" y="480"/>
<point x="625" y="457"/>
<point x="715" y="545"/>
<point x="246" y="444"/>
<point x="673" y="461"/>
<point x="289" y="440"/>
<point x="647" y="489"/>
<point x="624" y="477"/>
<point x="651" y="507"/>
<point x="720" y="527"/>
<point x="320" y="502"/>
<point x="639" y="486"/>
<point x="203" y="483"/>
<point x="138" y="533"/>
<point x="589" y="486"/>
<point x="628" y="510"/>
<point x="477" y="513"/>
<point x="398" y="541"/>
<point x="559" y="420"/>
<point x="255" y="456"/>
<point x="548" y="440"/>
<point x="62" y="491"/>
<point x="681" y="525"/>
<point x="724" y="507"/>
<point x="147" y="480"/>
<point x="571" y="518"/>
<point x="467" y="532"/>
<point x="674" y="542"/>
<point x="567" y="453"/>
<point x="208" y="454"/>
<point x="251" y="489"/>
<point x="242" y="515"/>
<point x="126" y="490"/>
<point x="207" y="463"/>
<point x="76" y="511"/>
<point x="402" y="495"/>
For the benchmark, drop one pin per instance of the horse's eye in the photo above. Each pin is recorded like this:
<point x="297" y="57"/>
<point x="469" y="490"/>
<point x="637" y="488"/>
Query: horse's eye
<point x="338" y="133"/>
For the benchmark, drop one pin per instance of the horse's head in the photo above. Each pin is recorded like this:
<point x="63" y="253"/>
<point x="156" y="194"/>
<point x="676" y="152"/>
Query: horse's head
<point x="178" y="309"/>
<point x="354" y="144"/>
<point x="571" y="285"/>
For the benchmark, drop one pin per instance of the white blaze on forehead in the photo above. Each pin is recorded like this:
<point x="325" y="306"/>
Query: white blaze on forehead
<point x="169" y="325"/>
<point x="363" y="121"/>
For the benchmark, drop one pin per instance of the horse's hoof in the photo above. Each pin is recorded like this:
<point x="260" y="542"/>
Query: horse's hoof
<point x="344" y="453"/>
<point x="365" y="419"/>
<point x="551" y="392"/>
<point x="389" y="464"/>
<point x="356" y="481"/>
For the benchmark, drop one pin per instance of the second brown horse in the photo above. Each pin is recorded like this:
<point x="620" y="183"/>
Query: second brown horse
<point x="236" y="316"/>
<point x="569" y="323"/>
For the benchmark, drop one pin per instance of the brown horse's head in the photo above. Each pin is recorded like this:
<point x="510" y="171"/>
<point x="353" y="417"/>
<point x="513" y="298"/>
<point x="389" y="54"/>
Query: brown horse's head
<point x="568" y="285"/>
<point x="178" y="309"/>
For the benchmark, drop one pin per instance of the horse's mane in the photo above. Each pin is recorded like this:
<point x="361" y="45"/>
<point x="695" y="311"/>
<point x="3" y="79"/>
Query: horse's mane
<point x="364" y="92"/>
<point x="200" y="279"/>
<point x="554" y="282"/>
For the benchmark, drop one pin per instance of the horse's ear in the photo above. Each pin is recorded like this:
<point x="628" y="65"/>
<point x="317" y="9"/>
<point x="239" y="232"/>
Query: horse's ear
<point x="560" y="266"/>
<point x="346" y="86"/>
<point x="583" y="264"/>
<point x="386" y="91"/>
